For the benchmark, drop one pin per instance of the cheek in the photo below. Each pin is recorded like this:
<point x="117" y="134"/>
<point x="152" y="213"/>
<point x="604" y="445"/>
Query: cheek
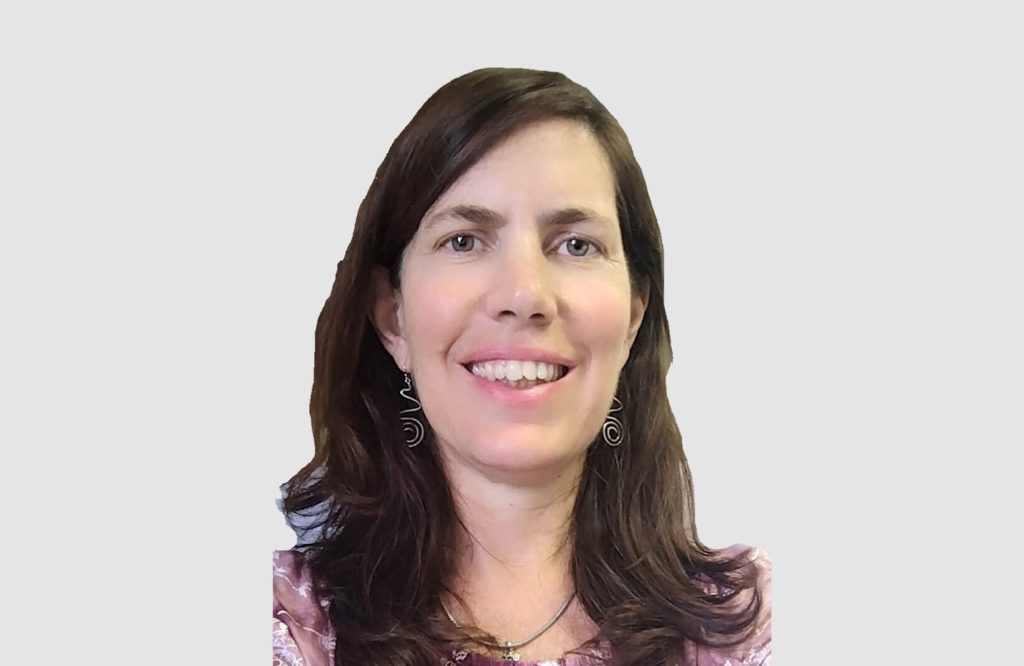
<point x="602" y="319"/>
<point x="435" y="311"/>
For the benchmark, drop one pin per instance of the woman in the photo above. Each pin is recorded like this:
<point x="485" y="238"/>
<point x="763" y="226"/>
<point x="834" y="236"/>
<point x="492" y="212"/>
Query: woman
<point x="498" y="474"/>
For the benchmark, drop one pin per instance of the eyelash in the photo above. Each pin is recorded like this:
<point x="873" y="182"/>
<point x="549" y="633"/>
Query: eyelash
<point x="590" y="244"/>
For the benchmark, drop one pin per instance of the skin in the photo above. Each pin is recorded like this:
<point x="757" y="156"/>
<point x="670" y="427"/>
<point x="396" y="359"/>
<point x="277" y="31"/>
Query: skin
<point x="467" y="285"/>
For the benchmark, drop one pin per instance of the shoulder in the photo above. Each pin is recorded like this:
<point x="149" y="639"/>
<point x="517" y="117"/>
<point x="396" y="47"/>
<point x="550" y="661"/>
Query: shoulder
<point x="757" y="649"/>
<point x="302" y="630"/>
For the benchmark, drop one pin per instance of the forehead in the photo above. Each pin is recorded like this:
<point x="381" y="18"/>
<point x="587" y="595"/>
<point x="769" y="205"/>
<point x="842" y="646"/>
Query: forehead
<point x="546" y="165"/>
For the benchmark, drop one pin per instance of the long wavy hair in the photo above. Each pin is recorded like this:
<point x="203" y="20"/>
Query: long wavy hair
<point x="384" y="515"/>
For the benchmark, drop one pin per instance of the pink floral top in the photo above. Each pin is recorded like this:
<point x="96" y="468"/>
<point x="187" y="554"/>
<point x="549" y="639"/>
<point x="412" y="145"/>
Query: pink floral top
<point x="303" y="635"/>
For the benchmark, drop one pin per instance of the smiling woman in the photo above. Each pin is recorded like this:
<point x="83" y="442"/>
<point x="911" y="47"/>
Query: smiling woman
<point x="509" y="273"/>
<point x="498" y="474"/>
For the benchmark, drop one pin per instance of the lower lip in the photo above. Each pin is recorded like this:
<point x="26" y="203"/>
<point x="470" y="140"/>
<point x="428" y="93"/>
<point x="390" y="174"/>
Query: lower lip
<point x="521" y="397"/>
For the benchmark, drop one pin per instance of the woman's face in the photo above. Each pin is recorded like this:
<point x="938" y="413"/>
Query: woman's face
<point x="520" y="261"/>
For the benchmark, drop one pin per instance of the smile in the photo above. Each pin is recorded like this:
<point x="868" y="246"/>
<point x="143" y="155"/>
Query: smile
<point x="518" y="374"/>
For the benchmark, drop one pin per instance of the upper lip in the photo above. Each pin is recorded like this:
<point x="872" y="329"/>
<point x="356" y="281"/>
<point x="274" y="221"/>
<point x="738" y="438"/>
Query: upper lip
<point x="517" y="354"/>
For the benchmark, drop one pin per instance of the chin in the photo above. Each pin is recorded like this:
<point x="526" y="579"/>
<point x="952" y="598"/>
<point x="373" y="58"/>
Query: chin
<point x="525" y="454"/>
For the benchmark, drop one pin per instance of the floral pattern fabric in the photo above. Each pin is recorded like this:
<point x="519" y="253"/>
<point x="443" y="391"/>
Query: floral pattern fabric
<point x="303" y="635"/>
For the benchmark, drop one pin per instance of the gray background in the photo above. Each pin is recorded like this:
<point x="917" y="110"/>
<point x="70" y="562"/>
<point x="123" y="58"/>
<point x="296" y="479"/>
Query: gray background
<point x="840" y="196"/>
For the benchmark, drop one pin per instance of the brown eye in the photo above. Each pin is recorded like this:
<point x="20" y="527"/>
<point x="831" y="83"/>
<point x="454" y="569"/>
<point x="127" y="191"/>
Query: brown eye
<point x="578" y="247"/>
<point x="462" y="242"/>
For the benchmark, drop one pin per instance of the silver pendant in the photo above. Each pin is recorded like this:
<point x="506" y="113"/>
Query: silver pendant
<point x="509" y="653"/>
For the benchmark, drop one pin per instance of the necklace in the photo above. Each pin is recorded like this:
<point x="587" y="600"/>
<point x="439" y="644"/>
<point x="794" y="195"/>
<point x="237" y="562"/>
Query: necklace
<point x="508" y="647"/>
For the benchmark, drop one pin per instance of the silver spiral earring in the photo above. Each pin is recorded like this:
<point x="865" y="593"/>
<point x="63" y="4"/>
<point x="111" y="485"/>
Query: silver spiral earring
<point x="612" y="428"/>
<point x="411" y="426"/>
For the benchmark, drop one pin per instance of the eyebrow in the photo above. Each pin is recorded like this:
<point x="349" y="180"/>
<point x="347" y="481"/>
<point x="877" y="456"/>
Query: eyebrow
<point x="489" y="218"/>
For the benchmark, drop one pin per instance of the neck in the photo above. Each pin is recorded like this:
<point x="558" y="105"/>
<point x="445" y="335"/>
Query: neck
<point x="513" y="567"/>
<point x="515" y="536"/>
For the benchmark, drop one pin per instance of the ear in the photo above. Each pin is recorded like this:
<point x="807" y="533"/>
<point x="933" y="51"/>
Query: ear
<point x="638" y="306"/>
<point x="387" y="317"/>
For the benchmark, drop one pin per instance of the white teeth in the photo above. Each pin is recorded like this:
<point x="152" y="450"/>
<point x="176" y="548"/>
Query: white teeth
<point x="518" y="373"/>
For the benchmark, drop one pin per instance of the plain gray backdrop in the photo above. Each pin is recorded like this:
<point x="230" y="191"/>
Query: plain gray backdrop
<point x="840" y="196"/>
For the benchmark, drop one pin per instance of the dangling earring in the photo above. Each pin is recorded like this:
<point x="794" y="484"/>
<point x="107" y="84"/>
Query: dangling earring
<point x="411" y="426"/>
<point x="612" y="428"/>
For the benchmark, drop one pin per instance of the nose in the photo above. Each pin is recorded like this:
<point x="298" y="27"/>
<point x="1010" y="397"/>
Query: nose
<point x="523" y="285"/>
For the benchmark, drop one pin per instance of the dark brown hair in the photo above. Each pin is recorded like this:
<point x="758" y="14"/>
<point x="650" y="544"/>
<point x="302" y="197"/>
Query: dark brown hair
<point x="384" y="513"/>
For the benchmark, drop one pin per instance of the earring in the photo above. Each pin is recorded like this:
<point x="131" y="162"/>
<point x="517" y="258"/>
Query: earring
<point x="411" y="426"/>
<point x="612" y="428"/>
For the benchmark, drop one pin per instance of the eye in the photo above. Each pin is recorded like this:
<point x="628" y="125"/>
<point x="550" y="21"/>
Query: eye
<point x="578" y="247"/>
<point x="461" y="243"/>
